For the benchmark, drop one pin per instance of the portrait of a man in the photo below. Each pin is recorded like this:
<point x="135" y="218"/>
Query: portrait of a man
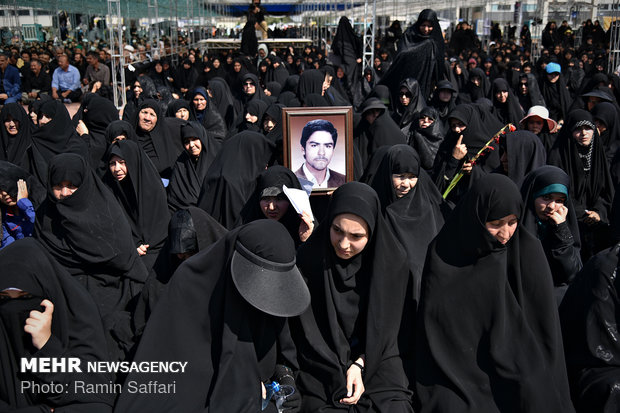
<point x="318" y="142"/>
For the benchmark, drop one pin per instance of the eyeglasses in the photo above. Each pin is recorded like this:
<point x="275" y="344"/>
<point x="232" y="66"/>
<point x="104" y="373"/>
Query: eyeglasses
<point x="406" y="94"/>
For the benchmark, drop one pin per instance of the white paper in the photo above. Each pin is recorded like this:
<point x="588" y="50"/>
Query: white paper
<point x="299" y="199"/>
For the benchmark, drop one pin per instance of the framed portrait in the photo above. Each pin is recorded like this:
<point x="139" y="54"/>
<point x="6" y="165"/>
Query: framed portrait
<point x="318" y="146"/>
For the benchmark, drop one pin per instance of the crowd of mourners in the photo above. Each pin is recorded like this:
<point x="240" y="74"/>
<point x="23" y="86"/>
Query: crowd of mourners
<point x="469" y="264"/>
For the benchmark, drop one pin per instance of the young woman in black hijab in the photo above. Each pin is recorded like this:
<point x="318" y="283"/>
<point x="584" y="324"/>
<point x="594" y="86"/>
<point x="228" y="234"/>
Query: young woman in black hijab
<point x="375" y="129"/>
<point x="179" y="108"/>
<point x="206" y="113"/>
<point x="357" y="274"/>
<point x="471" y="127"/>
<point x="44" y="312"/>
<point x="488" y="331"/>
<point x="589" y="314"/>
<point x="271" y="127"/>
<point x="505" y="104"/>
<point x="426" y="134"/>
<point x="268" y="201"/>
<point x="15" y="135"/>
<point x="477" y="87"/>
<point x="549" y="214"/>
<point x="136" y="185"/>
<point x="237" y="293"/>
<point x="578" y="151"/>
<point x="191" y="167"/>
<point x="557" y="97"/>
<point x="409" y="103"/>
<point x="158" y="136"/>
<point x="143" y="88"/>
<point x="83" y="227"/>
<point x="421" y="55"/>
<point x="444" y="101"/>
<point x="185" y="77"/>
<point x="231" y="178"/>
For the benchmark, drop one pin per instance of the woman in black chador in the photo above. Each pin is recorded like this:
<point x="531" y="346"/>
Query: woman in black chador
<point x="82" y="226"/>
<point x="549" y="214"/>
<point x="488" y="331"/>
<point x="420" y="55"/>
<point x="224" y="313"/>
<point x="136" y="185"/>
<point x="590" y="314"/>
<point x="579" y="152"/>
<point x="357" y="274"/>
<point x="44" y="312"/>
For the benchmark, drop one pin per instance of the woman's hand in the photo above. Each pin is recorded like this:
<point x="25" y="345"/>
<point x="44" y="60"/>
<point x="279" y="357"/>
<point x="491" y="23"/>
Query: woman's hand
<point x="355" y="384"/>
<point x="39" y="325"/>
<point x="468" y="167"/>
<point x="306" y="226"/>
<point x="460" y="149"/>
<point x="142" y="249"/>
<point x="22" y="189"/>
<point x="81" y="128"/>
<point x="559" y="216"/>
<point x="592" y="217"/>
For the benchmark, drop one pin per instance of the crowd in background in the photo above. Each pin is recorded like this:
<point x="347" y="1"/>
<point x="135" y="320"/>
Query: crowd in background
<point x="469" y="267"/>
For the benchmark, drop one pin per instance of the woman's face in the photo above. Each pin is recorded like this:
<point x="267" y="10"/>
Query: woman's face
<point x="193" y="146"/>
<point x="426" y="28"/>
<point x="457" y="126"/>
<point x="251" y="118"/>
<point x="137" y="89"/>
<point x="445" y="95"/>
<point x="268" y="123"/>
<point x="535" y="124"/>
<point x="403" y="183"/>
<point x="425" y="121"/>
<point x="159" y="68"/>
<point x="503" y="229"/>
<point x="583" y="135"/>
<point x="546" y="205"/>
<point x="63" y="190"/>
<point x="182" y="113"/>
<point x="120" y="137"/>
<point x="11" y="125"/>
<point x="348" y="235"/>
<point x="147" y="119"/>
<point x="216" y="63"/>
<point x="7" y="199"/>
<point x="501" y="96"/>
<point x="44" y="119"/>
<point x="405" y="96"/>
<point x="237" y="67"/>
<point x="600" y="125"/>
<point x="274" y="207"/>
<point x="200" y="103"/>
<point x="118" y="168"/>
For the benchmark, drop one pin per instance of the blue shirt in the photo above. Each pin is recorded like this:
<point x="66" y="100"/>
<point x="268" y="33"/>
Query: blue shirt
<point x="70" y="79"/>
<point x="17" y="226"/>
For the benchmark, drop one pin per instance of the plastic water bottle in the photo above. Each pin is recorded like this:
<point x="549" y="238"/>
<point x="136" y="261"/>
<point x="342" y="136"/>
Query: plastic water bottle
<point x="278" y="393"/>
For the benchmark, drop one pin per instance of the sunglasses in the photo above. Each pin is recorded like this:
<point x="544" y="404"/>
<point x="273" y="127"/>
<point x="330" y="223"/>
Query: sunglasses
<point x="249" y="84"/>
<point x="406" y="94"/>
